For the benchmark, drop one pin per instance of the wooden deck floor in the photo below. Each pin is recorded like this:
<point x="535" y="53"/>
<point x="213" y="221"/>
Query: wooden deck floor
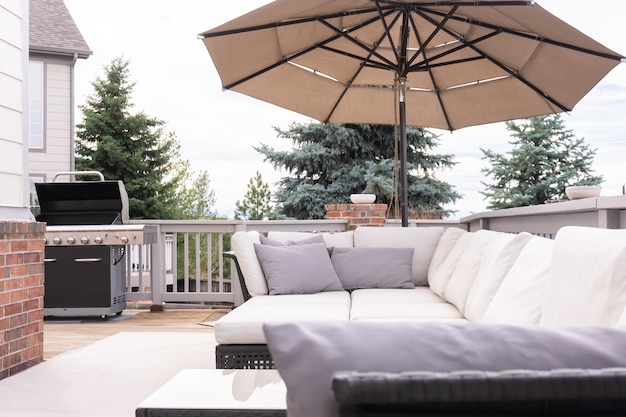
<point x="65" y="333"/>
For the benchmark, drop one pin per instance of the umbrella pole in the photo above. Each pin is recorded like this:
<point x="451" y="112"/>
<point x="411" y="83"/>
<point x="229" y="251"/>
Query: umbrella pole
<point x="404" y="181"/>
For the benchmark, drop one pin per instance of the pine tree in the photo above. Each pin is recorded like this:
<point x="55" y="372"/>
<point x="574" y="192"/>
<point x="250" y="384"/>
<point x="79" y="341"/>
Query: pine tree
<point x="256" y="204"/>
<point x="331" y="161"/>
<point x="198" y="200"/>
<point x="133" y="148"/>
<point x="546" y="158"/>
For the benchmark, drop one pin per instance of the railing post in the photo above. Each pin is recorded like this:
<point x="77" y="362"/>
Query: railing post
<point x="608" y="219"/>
<point x="157" y="272"/>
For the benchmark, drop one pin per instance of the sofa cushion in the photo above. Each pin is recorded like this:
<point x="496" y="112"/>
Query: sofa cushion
<point x="305" y="241"/>
<point x="418" y="304"/>
<point x="439" y="279"/>
<point x="498" y="259"/>
<point x="469" y="263"/>
<point x="332" y="239"/>
<point x="244" y="324"/>
<point x="373" y="267"/>
<point x="297" y="269"/>
<point x="422" y="239"/>
<point x="308" y="354"/>
<point x="520" y="296"/>
<point x="587" y="282"/>
<point x="242" y="244"/>
<point x="447" y="241"/>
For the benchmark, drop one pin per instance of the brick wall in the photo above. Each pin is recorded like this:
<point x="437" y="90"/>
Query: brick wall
<point x="21" y="295"/>
<point x="358" y="214"/>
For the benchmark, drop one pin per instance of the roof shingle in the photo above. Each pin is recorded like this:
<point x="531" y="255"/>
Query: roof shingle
<point x="53" y="30"/>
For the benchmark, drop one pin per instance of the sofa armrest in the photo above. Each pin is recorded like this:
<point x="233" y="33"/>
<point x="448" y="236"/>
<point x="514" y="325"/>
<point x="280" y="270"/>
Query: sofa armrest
<point x="518" y="392"/>
<point x="242" y="282"/>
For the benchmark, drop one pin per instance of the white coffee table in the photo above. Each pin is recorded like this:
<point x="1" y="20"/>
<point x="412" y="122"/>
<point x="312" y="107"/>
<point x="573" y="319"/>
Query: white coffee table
<point x="218" y="392"/>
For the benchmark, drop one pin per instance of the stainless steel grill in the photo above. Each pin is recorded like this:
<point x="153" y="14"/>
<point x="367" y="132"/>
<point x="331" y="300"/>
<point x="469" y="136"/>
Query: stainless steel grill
<point x="86" y="237"/>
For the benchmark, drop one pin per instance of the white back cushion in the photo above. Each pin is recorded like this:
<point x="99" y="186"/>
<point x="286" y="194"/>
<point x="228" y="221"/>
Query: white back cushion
<point x="587" y="284"/>
<point x="520" y="296"/>
<point x="422" y="239"/>
<point x="438" y="280"/>
<point x="331" y="239"/>
<point x="242" y="243"/>
<point x="446" y="242"/>
<point x="467" y="267"/>
<point x="497" y="260"/>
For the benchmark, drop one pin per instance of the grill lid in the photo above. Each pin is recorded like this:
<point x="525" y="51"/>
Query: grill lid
<point x="82" y="202"/>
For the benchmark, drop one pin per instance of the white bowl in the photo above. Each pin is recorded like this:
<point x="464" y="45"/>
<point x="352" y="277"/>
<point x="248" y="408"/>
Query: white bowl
<point x="582" y="191"/>
<point x="362" y="198"/>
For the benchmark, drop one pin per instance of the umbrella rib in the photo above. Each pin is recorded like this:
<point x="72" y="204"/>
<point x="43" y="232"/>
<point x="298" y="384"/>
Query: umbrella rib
<point x="431" y="36"/>
<point x="500" y="65"/>
<point x="428" y="66"/>
<point x="387" y="32"/>
<point x="529" y="36"/>
<point x="272" y="25"/>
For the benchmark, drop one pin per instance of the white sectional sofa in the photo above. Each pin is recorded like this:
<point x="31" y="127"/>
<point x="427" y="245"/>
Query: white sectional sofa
<point x="448" y="275"/>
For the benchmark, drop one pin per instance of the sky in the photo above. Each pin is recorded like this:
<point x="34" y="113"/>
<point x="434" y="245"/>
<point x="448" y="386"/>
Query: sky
<point x="218" y="130"/>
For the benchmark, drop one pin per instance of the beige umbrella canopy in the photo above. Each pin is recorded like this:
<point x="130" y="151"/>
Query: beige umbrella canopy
<point x="439" y="64"/>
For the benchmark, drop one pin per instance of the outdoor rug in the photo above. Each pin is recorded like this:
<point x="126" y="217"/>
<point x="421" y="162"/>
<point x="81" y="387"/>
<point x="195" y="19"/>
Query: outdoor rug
<point x="108" y="378"/>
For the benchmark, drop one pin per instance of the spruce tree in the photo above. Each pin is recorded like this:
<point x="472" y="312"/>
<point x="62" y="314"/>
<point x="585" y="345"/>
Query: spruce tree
<point x="546" y="157"/>
<point x="256" y="203"/>
<point x="130" y="147"/>
<point x="331" y="161"/>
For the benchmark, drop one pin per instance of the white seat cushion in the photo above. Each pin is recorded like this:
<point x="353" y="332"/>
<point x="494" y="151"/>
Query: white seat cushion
<point x="401" y="304"/>
<point x="520" y="296"/>
<point x="587" y="284"/>
<point x="497" y="260"/>
<point x="422" y="239"/>
<point x="244" y="325"/>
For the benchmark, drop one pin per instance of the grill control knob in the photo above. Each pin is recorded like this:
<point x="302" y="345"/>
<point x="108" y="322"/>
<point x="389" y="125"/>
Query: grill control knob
<point x="124" y="239"/>
<point x="84" y="240"/>
<point x="45" y="240"/>
<point x="71" y="240"/>
<point x="57" y="240"/>
<point x="98" y="240"/>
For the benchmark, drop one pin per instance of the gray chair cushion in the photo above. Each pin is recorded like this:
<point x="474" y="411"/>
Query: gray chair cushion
<point x="308" y="354"/>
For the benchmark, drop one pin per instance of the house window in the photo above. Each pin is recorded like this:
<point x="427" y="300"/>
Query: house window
<point x="34" y="200"/>
<point x="35" y="104"/>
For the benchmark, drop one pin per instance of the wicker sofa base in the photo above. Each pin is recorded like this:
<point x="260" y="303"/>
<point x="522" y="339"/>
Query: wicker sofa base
<point x="243" y="357"/>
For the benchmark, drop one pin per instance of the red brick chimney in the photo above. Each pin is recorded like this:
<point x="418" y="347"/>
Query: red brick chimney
<point x="358" y="214"/>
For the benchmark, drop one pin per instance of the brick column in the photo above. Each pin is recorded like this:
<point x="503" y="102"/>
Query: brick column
<point x="21" y="295"/>
<point x="358" y="214"/>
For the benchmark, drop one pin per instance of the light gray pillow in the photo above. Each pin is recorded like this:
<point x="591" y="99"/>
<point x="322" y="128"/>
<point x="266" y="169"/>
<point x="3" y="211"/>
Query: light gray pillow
<point x="307" y="241"/>
<point x="297" y="269"/>
<point x="373" y="267"/>
<point x="308" y="354"/>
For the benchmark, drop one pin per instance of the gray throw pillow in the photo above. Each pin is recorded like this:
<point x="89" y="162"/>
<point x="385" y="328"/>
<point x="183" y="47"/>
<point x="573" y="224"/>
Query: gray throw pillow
<point x="307" y="241"/>
<point x="308" y="354"/>
<point x="297" y="269"/>
<point x="373" y="267"/>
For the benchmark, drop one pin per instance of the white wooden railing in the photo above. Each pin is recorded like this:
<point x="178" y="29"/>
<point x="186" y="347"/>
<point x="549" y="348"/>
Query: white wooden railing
<point x="186" y="265"/>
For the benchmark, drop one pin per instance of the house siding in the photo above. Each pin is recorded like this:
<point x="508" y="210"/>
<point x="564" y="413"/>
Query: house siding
<point x="13" y="27"/>
<point x="56" y="155"/>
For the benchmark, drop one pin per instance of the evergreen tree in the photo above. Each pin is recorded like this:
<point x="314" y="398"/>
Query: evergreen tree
<point x="198" y="201"/>
<point x="331" y="161"/>
<point x="133" y="148"/>
<point x="256" y="204"/>
<point x="546" y="158"/>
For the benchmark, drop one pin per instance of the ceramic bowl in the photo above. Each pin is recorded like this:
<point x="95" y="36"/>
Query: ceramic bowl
<point x="362" y="198"/>
<point x="582" y="191"/>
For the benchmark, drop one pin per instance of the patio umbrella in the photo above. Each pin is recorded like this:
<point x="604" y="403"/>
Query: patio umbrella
<point x="437" y="64"/>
